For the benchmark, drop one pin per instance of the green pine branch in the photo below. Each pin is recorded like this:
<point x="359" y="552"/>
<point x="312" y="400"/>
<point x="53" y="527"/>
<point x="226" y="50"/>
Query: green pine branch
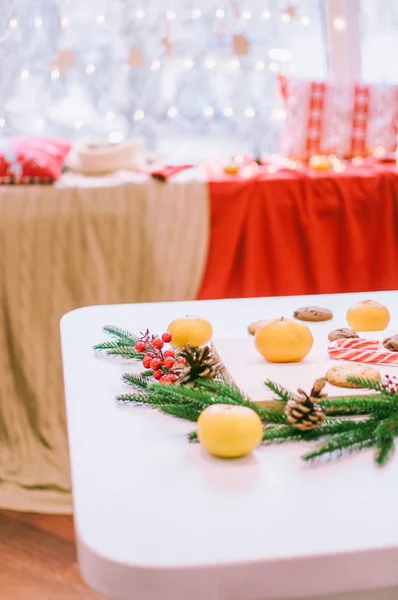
<point x="356" y="405"/>
<point x="289" y="433"/>
<point x="181" y="412"/>
<point x="279" y="390"/>
<point x="137" y="381"/>
<point x="121" y="334"/>
<point x="361" y="437"/>
<point x="367" y="383"/>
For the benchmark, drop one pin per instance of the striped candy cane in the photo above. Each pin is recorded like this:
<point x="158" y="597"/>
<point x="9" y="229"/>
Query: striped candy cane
<point x="360" y="350"/>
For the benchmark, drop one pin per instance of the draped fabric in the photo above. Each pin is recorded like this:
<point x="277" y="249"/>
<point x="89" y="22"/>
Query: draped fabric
<point x="83" y="242"/>
<point x="303" y="232"/>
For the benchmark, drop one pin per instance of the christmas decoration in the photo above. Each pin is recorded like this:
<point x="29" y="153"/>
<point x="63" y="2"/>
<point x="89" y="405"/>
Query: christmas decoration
<point x="110" y="71"/>
<point x="303" y="412"/>
<point x="368" y="315"/>
<point x="283" y="340"/>
<point x="361" y="350"/>
<point x="191" y="330"/>
<point x="375" y="415"/>
<point x="229" y="431"/>
<point x="196" y="363"/>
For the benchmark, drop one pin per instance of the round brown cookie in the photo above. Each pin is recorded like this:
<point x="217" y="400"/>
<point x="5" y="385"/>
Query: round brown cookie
<point x="343" y="332"/>
<point x="253" y="327"/>
<point x="313" y="313"/>
<point x="338" y="375"/>
<point x="391" y="343"/>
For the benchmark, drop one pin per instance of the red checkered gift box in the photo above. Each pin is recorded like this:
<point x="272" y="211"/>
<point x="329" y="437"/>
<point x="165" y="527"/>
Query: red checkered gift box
<point x="337" y="118"/>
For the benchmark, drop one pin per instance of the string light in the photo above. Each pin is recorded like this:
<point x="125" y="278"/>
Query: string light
<point x="305" y="21"/>
<point x="2" y="122"/>
<point x="220" y="13"/>
<point x="138" y="115"/>
<point x="172" y="112"/>
<point x="234" y="64"/>
<point x="115" y="137"/>
<point x="340" y="24"/>
<point x="64" y="22"/>
<point x="208" y="111"/>
<point x="273" y="66"/>
<point x="13" y="23"/>
<point x="156" y="64"/>
<point x="110" y="115"/>
<point x="210" y="63"/>
<point x="90" y="69"/>
<point x="285" y="18"/>
<point x="266" y="14"/>
<point x="260" y="65"/>
<point x="357" y="160"/>
<point x="24" y="74"/>
<point x="196" y="13"/>
<point x="170" y="15"/>
<point x="188" y="63"/>
<point x="250" y="112"/>
<point x="246" y="15"/>
<point x="54" y="75"/>
<point x="100" y="19"/>
<point x="228" y="112"/>
<point x="140" y="13"/>
<point x="38" y="22"/>
<point x="78" y="124"/>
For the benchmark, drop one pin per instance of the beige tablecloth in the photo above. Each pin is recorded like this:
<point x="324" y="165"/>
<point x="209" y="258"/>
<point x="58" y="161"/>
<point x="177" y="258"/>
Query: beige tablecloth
<point x="85" y="241"/>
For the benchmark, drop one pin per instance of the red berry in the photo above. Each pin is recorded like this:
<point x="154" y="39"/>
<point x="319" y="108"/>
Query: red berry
<point x="168" y="378"/>
<point x="147" y="362"/>
<point x="168" y="362"/>
<point x="149" y="355"/>
<point x="158" y="373"/>
<point x="140" y="347"/>
<point x="181" y="360"/>
<point x="155" y="363"/>
<point x="166" y="337"/>
<point x="157" y="343"/>
<point x="169" y="353"/>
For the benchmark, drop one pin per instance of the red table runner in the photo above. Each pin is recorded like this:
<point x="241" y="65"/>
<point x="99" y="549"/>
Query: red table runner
<point x="303" y="232"/>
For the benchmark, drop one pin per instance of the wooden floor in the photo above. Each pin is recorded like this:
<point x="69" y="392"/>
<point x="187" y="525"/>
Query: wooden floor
<point x="38" y="559"/>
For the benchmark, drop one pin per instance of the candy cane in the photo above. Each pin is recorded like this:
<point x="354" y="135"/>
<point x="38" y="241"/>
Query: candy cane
<point x="360" y="350"/>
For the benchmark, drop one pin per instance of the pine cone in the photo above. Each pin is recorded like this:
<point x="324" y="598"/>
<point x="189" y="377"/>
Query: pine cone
<point x="199" y="362"/>
<point x="303" y="412"/>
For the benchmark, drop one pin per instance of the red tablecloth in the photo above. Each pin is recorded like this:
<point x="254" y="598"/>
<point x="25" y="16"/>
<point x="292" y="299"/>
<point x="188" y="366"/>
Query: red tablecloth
<point x="303" y="232"/>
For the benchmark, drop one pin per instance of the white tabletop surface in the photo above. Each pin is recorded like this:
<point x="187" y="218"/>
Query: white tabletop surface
<point x="157" y="518"/>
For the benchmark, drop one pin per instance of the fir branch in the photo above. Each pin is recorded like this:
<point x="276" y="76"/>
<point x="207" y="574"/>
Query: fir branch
<point x="137" y="399"/>
<point x="348" y="441"/>
<point x="385" y="447"/>
<point x="189" y="413"/>
<point x="193" y="437"/>
<point x="122" y="334"/>
<point x="228" y="394"/>
<point x="137" y="381"/>
<point x="279" y="390"/>
<point x="367" y="383"/>
<point x="146" y="373"/>
<point x="356" y="405"/>
<point x="125" y="352"/>
<point x="288" y="433"/>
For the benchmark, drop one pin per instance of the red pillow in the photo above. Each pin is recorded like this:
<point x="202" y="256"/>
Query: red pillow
<point x="346" y="119"/>
<point x="31" y="159"/>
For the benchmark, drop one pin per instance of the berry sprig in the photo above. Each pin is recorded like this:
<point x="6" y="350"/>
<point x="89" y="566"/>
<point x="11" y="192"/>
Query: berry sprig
<point x="156" y="358"/>
<point x="390" y="383"/>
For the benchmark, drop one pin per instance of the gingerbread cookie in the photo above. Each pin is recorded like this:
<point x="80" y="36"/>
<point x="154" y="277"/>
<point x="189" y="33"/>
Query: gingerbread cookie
<point x="391" y="343"/>
<point x="313" y="313"/>
<point x="343" y="332"/>
<point x="338" y="375"/>
<point x="253" y="327"/>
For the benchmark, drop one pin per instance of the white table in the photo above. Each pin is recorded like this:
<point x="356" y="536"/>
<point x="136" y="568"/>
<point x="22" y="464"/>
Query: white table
<point x="159" y="519"/>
